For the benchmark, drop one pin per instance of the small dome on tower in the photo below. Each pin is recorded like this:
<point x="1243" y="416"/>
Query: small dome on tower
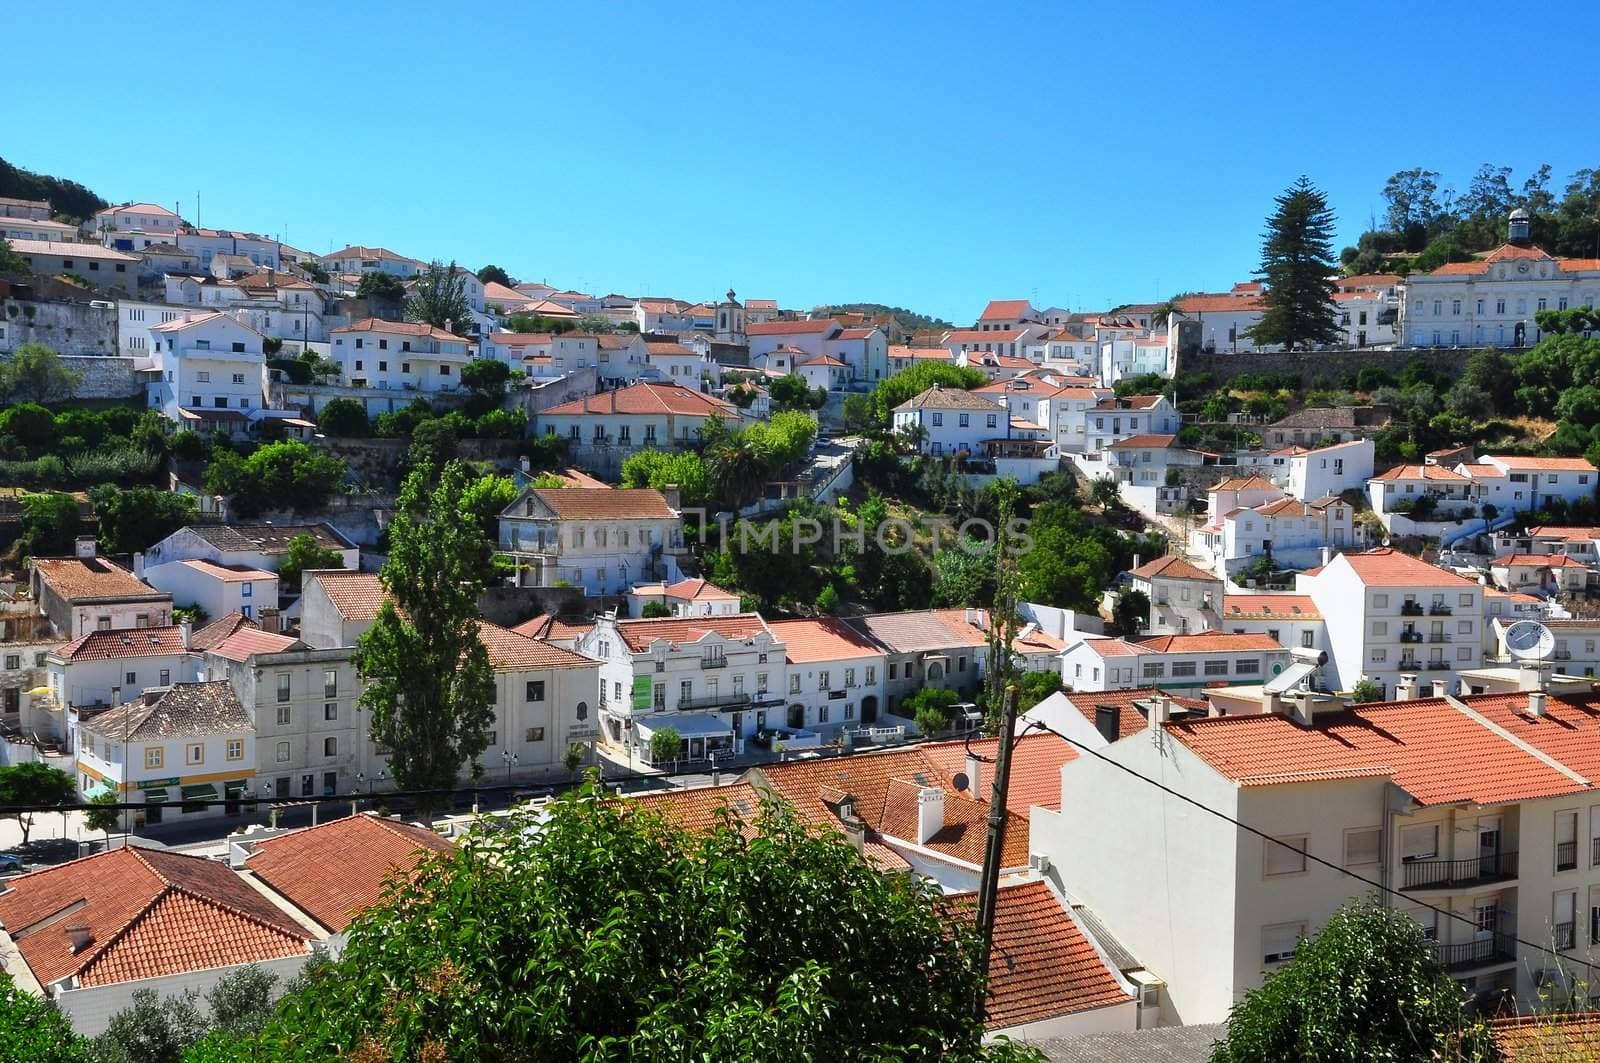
<point x="1519" y="215"/>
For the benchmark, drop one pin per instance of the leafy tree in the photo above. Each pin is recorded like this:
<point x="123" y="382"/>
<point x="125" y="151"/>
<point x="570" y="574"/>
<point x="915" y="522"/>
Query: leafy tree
<point x="434" y="442"/>
<point x="1034" y="687"/>
<point x="1132" y="612"/>
<point x="595" y="323"/>
<point x="439" y="298"/>
<point x="49" y="524"/>
<point x="494" y="275"/>
<point x="1297" y="265"/>
<point x="11" y="263"/>
<point x="1414" y="210"/>
<point x="503" y="424"/>
<point x="33" y="1029"/>
<point x="382" y="286"/>
<point x="104" y="814"/>
<point x="773" y="562"/>
<point x="858" y="413"/>
<point x="654" y="610"/>
<point x="486" y="377"/>
<point x="313" y="269"/>
<point x="964" y="574"/>
<point x="687" y="975"/>
<point x="188" y="445"/>
<point x="737" y="467"/>
<point x="933" y="709"/>
<point x="484" y="499"/>
<point x="287" y="475"/>
<point x="136" y="518"/>
<point x="666" y="746"/>
<point x="36" y="373"/>
<point x="1105" y="492"/>
<point x="344" y="418"/>
<point x="32" y="783"/>
<point x="792" y="393"/>
<point x="659" y="469"/>
<point x="573" y="758"/>
<point x="1367" y="987"/>
<point x="68" y="199"/>
<point x="1367" y="690"/>
<point x="304" y="555"/>
<point x="828" y="599"/>
<point x="430" y="687"/>
<point x="241" y="1002"/>
<point x="153" y="1029"/>
<point x="913" y="381"/>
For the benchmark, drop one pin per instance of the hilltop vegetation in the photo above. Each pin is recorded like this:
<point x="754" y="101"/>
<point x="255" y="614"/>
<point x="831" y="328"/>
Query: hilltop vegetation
<point x="909" y="320"/>
<point x="67" y="198"/>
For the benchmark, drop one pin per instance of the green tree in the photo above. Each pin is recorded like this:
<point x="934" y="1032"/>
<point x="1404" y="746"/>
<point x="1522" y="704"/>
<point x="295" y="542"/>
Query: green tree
<point x="1366" y="690"/>
<point x="1034" y="687"/>
<point x="344" y="418"/>
<point x="688" y="975"/>
<point x="484" y="499"/>
<point x="1132" y="612"/>
<point x="32" y="783"/>
<point x="434" y="443"/>
<point x="792" y="393"/>
<point x="11" y="263"/>
<point x="659" y="469"/>
<point x="304" y="555"/>
<point x="241" y="1002"/>
<point x="430" y="688"/>
<point x="439" y="298"/>
<point x="33" y="1029"/>
<point x="1105" y="492"/>
<point x="654" y="611"/>
<point x="911" y="382"/>
<point x="574" y="757"/>
<point x="737" y="467"/>
<point x="381" y="285"/>
<point x="1297" y="265"/>
<point x="133" y="519"/>
<point x="1367" y="987"/>
<point x="313" y="269"/>
<point x="49" y="524"/>
<point x="104" y="815"/>
<point x="287" y="475"/>
<point x="858" y="413"/>
<point x="964" y="574"/>
<point x="666" y="746"/>
<point x="494" y="275"/>
<point x="68" y="199"/>
<point x="30" y="424"/>
<point x="36" y="373"/>
<point x="933" y="709"/>
<point x="154" y="1029"/>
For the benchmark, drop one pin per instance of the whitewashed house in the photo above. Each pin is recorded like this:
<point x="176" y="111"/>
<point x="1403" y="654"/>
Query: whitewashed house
<point x="951" y="421"/>
<point x="208" y="371"/>
<point x="217" y="589"/>
<point x="399" y="355"/>
<point x="602" y="541"/>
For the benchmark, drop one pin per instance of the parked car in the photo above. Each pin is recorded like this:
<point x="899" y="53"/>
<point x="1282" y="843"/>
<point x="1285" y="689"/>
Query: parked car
<point x="9" y="865"/>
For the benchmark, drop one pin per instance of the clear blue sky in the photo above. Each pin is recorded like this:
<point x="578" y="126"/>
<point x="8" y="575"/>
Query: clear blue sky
<point x="925" y="155"/>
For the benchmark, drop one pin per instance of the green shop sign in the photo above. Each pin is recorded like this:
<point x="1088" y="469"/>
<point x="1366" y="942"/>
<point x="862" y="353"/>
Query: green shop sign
<point x="642" y="685"/>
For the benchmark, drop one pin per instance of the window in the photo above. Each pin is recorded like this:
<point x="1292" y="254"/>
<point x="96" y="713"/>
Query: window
<point x="535" y="690"/>
<point x="1380" y="601"/>
<point x="283" y="715"/>
<point x="202" y="377"/>
<point x="992" y="420"/>
<point x="1247" y="666"/>
<point x="761" y="682"/>
<point x="893" y="668"/>
<point x="1308" y="639"/>
<point x="938" y="420"/>
<point x="1182" y="668"/>
<point x="1216" y="668"/>
<point x="686" y="690"/>
<point x="330" y="710"/>
<point x="1379" y="656"/>
<point x="1380" y="627"/>
<point x="872" y="674"/>
<point x="794" y="684"/>
<point x="1154" y="669"/>
<point x="1279" y="941"/>
<point x="823" y="679"/>
<point x="1566" y="840"/>
<point x="238" y="378"/>
<point x="1419" y="843"/>
<point x="964" y="420"/>
<point x="152" y="758"/>
<point x="131" y="679"/>
<point x="283" y="686"/>
<point x="659" y="696"/>
<point x="1464" y="601"/>
<point x="194" y="753"/>
<point x="822" y="713"/>
<point x="849" y="677"/>
<point x="534" y="734"/>
<point x="283" y="753"/>
<point x="1363" y="845"/>
<point x="307" y="785"/>
<point x="330" y="746"/>
<point x="1285" y="856"/>
<point x="234" y="749"/>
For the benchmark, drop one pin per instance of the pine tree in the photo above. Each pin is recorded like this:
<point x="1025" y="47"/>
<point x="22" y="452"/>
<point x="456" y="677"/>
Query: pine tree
<point x="1298" y="267"/>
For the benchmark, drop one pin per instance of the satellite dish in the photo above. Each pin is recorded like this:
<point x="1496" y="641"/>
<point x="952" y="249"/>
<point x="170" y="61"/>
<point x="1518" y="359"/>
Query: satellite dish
<point x="1529" y="640"/>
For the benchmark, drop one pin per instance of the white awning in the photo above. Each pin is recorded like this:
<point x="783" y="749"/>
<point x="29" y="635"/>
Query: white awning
<point x="1290" y="677"/>
<point x="688" y="725"/>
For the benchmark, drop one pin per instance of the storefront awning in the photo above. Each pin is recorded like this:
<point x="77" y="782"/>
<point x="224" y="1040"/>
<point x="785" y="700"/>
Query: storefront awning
<point x="155" y="797"/>
<point x="200" y="792"/>
<point x="688" y="725"/>
<point x="99" y="789"/>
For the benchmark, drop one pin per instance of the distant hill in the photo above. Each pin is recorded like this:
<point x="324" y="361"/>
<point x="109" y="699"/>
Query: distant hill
<point x="67" y="198"/>
<point x="909" y="320"/>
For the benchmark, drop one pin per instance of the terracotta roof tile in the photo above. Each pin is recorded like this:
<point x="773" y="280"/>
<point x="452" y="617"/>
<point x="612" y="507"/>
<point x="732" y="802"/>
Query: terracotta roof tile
<point x="1386" y="567"/>
<point x="823" y="639"/>
<point x="695" y="589"/>
<point x="824" y="326"/>
<point x="1130" y="706"/>
<point x="75" y="579"/>
<point x="401" y="328"/>
<point x="132" y="642"/>
<point x="628" y="503"/>
<point x="511" y="651"/>
<point x="1171" y="566"/>
<point x="1208" y="642"/>
<point x="1006" y="310"/>
<point x="701" y="808"/>
<point x="227" y="573"/>
<point x="639" y="634"/>
<point x="1269" y="607"/>
<point x="335" y="871"/>
<point x="645" y="398"/>
<point x="355" y="595"/>
<point x="1421" y="472"/>
<point x="1036" y="761"/>
<point x="217" y="630"/>
<point x="247" y="642"/>
<point x="1547" y="1038"/>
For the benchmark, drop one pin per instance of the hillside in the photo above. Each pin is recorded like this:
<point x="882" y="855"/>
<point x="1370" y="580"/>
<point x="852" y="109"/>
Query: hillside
<point x="67" y="198"/>
<point x="909" y="320"/>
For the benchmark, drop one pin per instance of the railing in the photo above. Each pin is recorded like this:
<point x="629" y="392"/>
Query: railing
<point x="1563" y="935"/>
<point x="1436" y="636"/>
<point x="1566" y="856"/>
<point x="1438" y="666"/>
<point x="715" y="701"/>
<point x="1410" y="609"/>
<point x="1439" y="610"/>
<point x="1495" y="948"/>
<point x="1410" y="636"/>
<point x="713" y="662"/>
<point x="1438" y="874"/>
<point x="1562" y="655"/>
<point x="1594" y="853"/>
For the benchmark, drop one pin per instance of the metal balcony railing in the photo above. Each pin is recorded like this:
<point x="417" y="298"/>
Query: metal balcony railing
<point x="1563" y="935"/>
<point x="1493" y="948"/>
<point x="1410" y="636"/>
<point x="1439" y="610"/>
<point x="1438" y="666"/>
<point x="1594" y="852"/>
<point x="1447" y="874"/>
<point x="715" y="701"/>
<point x="1410" y="609"/>
<point x="1436" y="636"/>
<point x="1566" y="856"/>
<point x="713" y="662"/>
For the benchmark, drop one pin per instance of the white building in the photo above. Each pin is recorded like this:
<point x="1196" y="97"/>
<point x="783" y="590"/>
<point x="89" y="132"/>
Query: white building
<point x="687" y="597"/>
<point x="261" y="251"/>
<point x="1117" y="417"/>
<point x="1331" y="470"/>
<point x="833" y="667"/>
<point x="1183" y="597"/>
<point x="88" y="593"/>
<point x="607" y="427"/>
<point x="1293" y="620"/>
<point x="1292" y="533"/>
<point x="601" y="540"/>
<point x="216" y="588"/>
<point x="37" y="229"/>
<point x="208" y="371"/>
<point x="674" y="362"/>
<point x="1491" y="301"/>
<point x="951" y="421"/>
<point x="250" y="546"/>
<point x="358" y="260"/>
<point x="102" y="267"/>
<point x="1171" y="662"/>
<point x="1389" y="614"/>
<point x="399" y="355"/>
<point x="135" y="226"/>
<point x="272" y="302"/>
<point x="105" y="668"/>
<point x="1225" y="318"/>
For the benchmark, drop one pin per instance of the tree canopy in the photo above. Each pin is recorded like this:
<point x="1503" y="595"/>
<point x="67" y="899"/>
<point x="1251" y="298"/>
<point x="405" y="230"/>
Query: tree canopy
<point x="136" y="518"/>
<point x="287" y="475"/>
<point x="381" y="285"/>
<point x="342" y="417"/>
<point x="67" y="199"/>
<point x="1297" y="265"/>
<point x="304" y="555"/>
<point x="913" y="381"/>
<point x="439" y="298"/>
<point x="33" y="783"/>
<point x="34" y="1029"/>
<point x="495" y="275"/>
<point x="36" y="373"/>
<point x="600" y="931"/>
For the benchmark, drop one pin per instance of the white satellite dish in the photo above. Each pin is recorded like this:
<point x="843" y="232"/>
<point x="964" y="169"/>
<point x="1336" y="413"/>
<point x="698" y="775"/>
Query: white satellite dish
<point x="1529" y="640"/>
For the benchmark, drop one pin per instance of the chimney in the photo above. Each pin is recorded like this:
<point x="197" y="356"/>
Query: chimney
<point x="269" y="621"/>
<point x="1300" y="707"/>
<point x="1108" y="721"/>
<point x="1327" y="555"/>
<point x="1158" y="712"/>
<point x="1530" y="677"/>
<point x="185" y="631"/>
<point x="1406" y="688"/>
<point x="1135" y="564"/>
<point x="85" y="547"/>
<point x="138" y="565"/>
<point x="975" y="777"/>
<point x="673" y="495"/>
<point x="930" y="813"/>
<point x="1440" y="688"/>
<point x="1536" y="700"/>
<point x="79" y="936"/>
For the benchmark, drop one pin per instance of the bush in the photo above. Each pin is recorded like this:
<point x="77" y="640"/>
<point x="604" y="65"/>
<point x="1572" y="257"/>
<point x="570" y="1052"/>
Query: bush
<point x="344" y="418"/>
<point x="933" y="709"/>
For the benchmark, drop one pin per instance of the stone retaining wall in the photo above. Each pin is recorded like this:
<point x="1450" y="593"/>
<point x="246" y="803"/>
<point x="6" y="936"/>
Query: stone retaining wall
<point x="1326" y="368"/>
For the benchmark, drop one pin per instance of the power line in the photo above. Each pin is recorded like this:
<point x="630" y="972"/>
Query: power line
<point x="1379" y="886"/>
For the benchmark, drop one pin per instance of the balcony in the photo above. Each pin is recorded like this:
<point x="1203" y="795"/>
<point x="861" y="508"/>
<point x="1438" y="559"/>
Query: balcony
<point x="1410" y="609"/>
<point x="1594" y="853"/>
<point x="1563" y="935"/>
<point x="713" y="662"/>
<point x="1483" y="952"/>
<point x="1454" y="874"/>
<point x="1437" y="636"/>
<point x="1410" y="636"/>
<point x="1439" y="610"/>
<point x="1566" y="856"/>
<point x="1438" y="666"/>
<point x="715" y="701"/>
<point x="1561" y="655"/>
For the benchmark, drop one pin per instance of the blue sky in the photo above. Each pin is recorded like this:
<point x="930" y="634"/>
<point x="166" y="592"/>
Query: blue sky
<point x="928" y="155"/>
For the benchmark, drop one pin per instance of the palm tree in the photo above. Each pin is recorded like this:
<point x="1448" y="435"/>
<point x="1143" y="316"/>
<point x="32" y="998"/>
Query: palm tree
<point x="738" y="469"/>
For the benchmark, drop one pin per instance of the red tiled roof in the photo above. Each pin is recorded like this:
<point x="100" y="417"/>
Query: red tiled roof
<point x="627" y="503"/>
<point x="1041" y="964"/>
<point x="149" y="912"/>
<point x="1269" y="607"/>
<point x="823" y="639"/>
<point x="1246" y="483"/>
<point x="787" y="328"/>
<point x="701" y="808"/>
<point x="1005" y="310"/>
<point x="1226" y="303"/>
<point x="645" y="398"/>
<point x="75" y="578"/>
<point x="1547" y="1037"/>
<point x="218" y="630"/>
<point x="1171" y="566"/>
<point x="1568" y="534"/>
<point x="1130" y="402"/>
<point x="1421" y="472"/>
<point x="1385" y="566"/>
<point x="972" y="335"/>
<point x="1036" y="761"/>
<point x="134" y="642"/>
<point x="1157" y="442"/>
<point x="941" y="354"/>
<point x="228" y="573"/>
<point x="1130" y="715"/>
<point x="247" y="642"/>
<point x="512" y="651"/>
<point x="696" y="589"/>
<point x="552" y="628"/>
<point x="1540" y="561"/>
<point x="1543" y="464"/>
<point x="1207" y="642"/>
<point x="639" y="634"/>
<point x="355" y="595"/>
<point x="335" y="871"/>
<point x="401" y="328"/>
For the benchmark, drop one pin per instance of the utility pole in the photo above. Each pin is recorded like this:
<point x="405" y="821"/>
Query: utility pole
<point x="989" y="882"/>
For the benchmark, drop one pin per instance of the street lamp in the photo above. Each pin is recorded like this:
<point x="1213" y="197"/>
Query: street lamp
<point x="510" y="758"/>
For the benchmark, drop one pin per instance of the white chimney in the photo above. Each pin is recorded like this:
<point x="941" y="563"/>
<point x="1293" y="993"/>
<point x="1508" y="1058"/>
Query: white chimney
<point x="85" y="547"/>
<point x="185" y="630"/>
<point x="1441" y="688"/>
<point x="79" y="936"/>
<point x="930" y="813"/>
<point x="1160" y="710"/>
<point x="1530" y="677"/>
<point x="1300" y="707"/>
<point x="975" y="777"/>
<point x="1327" y="555"/>
<point x="138" y="565"/>
<point x="1536" y="700"/>
<point x="1406" y="688"/>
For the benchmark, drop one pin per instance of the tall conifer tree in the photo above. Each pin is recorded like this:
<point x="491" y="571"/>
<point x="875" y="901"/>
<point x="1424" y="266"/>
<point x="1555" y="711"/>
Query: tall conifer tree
<point x="1298" y="267"/>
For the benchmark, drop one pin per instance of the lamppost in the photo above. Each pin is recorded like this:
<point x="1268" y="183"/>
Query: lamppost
<point x="510" y="759"/>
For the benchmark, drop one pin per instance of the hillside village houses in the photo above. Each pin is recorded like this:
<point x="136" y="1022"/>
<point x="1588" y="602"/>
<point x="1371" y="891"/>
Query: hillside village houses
<point x="207" y="371"/>
<point x="399" y="356"/>
<point x="604" y="541"/>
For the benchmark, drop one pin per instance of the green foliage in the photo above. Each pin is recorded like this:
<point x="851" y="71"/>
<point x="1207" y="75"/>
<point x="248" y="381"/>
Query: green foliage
<point x="11" y="263"/>
<point x="33" y="1029"/>
<point x="774" y="562"/>
<point x="188" y="445"/>
<point x="153" y="1029"/>
<point x="1071" y="560"/>
<point x="1297" y="264"/>
<point x="344" y="418"/>
<point x="439" y="298"/>
<point x="136" y="518"/>
<point x="828" y="599"/>
<point x="430" y="687"/>
<point x="1034" y="687"/>
<point x="67" y="199"/>
<point x="654" y="610"/>
<point x="1143" y="384"/>
<point x="933" y="709"/>
<point x="49" y="524"/>
<point x="304" y="555"/>
<point x="494" y="275"/>
<point x="484" y="499"/>
<point x="964" y="574"/>
<point x="29" y="424"/>
<point x="857" y="413"/>
<point x="434" y="442"/>
<point x="381" y="285"/>
<point x="909" y="320"/>
<point x="1366" y="690"/>
<point x="659" y="469"/>
<point x="314" y="270"/>
<point x="1131" y="613"/>
<point x="36" y="373"/>
<point x="284" y="476"/>
<point x="688" y="975"/>
<point x="1366" y="988"/>
<point x="241" y="1003"/>
<point x="791" y="393"/>
<point x="103" y="815"/>
<point x="32" y="783"/>
<point x="913" y="381"/>
<point x="666" y="746"/>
